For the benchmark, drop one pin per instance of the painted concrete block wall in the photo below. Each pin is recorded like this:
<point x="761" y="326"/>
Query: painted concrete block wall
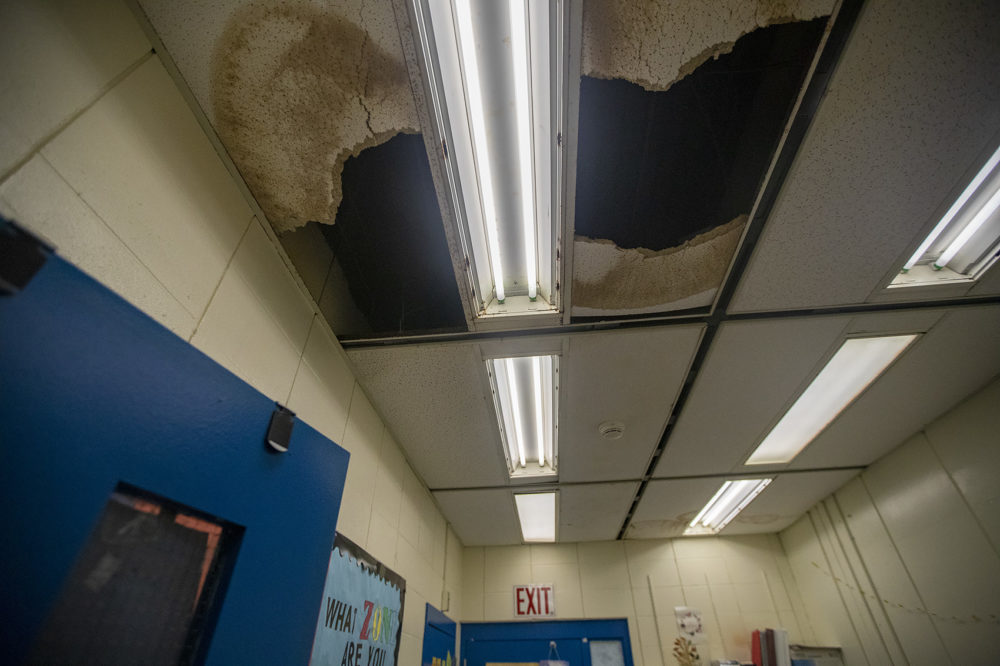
<point x="739" y="583"/>
<point x="902" y="564"/>
<point x="102" y="156"/>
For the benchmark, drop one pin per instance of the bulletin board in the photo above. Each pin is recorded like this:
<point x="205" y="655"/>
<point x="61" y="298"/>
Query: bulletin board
<point x="361" y="615"/>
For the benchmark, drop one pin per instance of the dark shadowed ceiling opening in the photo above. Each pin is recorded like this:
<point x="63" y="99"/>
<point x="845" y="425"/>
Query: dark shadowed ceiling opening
<point x="389" y="241"/>
<point x="655" y="169"/>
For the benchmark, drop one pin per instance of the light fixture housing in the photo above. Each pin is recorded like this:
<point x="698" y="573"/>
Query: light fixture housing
<point x="537" y="514"/>
<point x="496" y="76"/>
<point x="855" y="365"/>
<point x="526" y="397"/>
<point x="965" y="241"/>
<point x="726" y="504"/>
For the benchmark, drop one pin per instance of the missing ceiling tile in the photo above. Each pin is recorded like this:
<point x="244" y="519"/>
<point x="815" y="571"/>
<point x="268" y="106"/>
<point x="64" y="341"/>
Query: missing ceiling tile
<point x="667" y="177"/>
<point x="389" y="243"/>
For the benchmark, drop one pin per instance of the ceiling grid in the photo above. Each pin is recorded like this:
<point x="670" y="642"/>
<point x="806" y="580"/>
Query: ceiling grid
<point x="692" y="320"/>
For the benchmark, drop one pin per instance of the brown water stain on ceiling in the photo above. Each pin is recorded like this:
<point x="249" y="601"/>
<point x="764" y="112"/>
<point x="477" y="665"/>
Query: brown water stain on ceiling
<point x="674" y="527"/>
<point x="638" y="280"/>
<point x="655" y="43"/>
<point x="297" y="89"/>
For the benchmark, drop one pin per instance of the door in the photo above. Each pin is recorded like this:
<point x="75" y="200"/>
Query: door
<point x="96" y="397"/>
<point x="527" y="652"/>
<point x="579" y="642"/>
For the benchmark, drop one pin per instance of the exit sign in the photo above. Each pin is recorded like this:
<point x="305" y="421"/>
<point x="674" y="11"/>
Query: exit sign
<point x="534" y="601"/>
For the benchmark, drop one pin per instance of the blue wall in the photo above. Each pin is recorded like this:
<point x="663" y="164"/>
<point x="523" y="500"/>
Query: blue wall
<point x="93" y="392"/>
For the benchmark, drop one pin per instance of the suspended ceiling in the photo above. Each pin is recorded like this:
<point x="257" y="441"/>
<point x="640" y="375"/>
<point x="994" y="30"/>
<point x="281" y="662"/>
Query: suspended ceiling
<point x="720" y="255"/>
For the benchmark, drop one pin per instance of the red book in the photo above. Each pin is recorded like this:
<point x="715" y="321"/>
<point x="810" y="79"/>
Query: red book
<point x="755" y="648"/>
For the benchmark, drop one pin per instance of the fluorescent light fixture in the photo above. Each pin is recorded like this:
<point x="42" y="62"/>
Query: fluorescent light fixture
<point x="727" y="502"/>
<point x="496" y="74"/>
<point x="537" y="515"/>
<point x="525" y="391"/>
<point x="851" y="370"/>
<point x="966" y="239"/>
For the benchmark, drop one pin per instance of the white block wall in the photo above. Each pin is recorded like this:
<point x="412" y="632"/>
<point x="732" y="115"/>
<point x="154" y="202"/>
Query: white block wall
<point x="902" y="564"/>
<point x="100" y="154"/>
<point x="739" y="583"/>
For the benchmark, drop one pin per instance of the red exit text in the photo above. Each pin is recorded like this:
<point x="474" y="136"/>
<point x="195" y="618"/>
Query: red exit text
<point x="534" y="601"/>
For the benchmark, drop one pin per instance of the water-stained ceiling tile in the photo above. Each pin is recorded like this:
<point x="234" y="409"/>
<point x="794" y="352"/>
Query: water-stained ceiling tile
<point x="312" y="101"/>
<point x="293" y="89"/>
<point x="675" y="137"/>
<point x="654" y="43"/>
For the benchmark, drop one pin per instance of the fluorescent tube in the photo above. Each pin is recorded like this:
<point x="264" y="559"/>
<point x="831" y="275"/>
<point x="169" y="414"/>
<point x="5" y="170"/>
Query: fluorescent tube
<point x="537" y="515"/>
<point x="516" y="409"/>
<point x="725" y="505"/>
<point x="474" y="98"/>
<point x="711" y="503"/>
<point x="855" y="365"/>
<point x="536" y="367"/>
<point x="972" y="227"/>
<point x="522" y="96"/>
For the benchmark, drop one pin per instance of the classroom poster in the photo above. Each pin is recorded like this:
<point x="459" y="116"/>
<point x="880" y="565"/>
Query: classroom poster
<point x="361" y="614"/>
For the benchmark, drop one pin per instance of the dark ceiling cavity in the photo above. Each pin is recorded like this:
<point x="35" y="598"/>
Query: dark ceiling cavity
<point x="389" y="239"/>
<point x="655" y="169"/>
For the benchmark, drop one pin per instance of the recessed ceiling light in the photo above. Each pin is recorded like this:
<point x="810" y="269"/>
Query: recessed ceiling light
<point x="966" y="240"/>
<point x="537" y="515"/>
<point x="496" y="75"/>
<point x="525" y="391"/>
<point x="727" y="502"/>
<point x="855" y="365"/>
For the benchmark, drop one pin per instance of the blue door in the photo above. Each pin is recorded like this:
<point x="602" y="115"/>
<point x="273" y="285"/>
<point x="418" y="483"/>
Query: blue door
<point x="439" y="638"/>
<point x="525" y="651"/>
<point x="95" y="396"/>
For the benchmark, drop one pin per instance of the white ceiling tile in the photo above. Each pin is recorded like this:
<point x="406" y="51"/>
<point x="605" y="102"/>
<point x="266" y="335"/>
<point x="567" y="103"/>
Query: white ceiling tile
<point x="481" y="517"/>
<point x="893" y="322"/>
<point x="667" y="507"/>
<point x="751" y="375"/>
<point x="594" y="512"/>
<point x="892" y="138"/>
<point x="957" y="356"/>
<point x="434" y="400"/>
<point x="628" y="376"/>
<point x="988" y="283"/>
<point x="785" y="499"/>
